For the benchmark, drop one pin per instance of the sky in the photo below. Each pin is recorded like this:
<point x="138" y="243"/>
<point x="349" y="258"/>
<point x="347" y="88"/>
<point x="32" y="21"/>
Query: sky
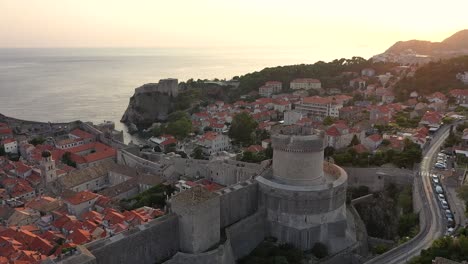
<point x="329" y="24"/>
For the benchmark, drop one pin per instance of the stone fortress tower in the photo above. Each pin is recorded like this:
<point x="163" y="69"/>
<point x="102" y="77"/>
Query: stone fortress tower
<point x="303" y="196"/>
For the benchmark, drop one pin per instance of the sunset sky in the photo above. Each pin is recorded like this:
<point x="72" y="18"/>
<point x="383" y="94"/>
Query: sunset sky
<point x="243" y="23"/>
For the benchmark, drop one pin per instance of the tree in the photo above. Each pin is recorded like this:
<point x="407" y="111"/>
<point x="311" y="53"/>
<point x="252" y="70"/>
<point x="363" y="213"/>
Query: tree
<point x="197" y="153"/>
<point x="355" y="141"/>
<point x="328" y="151"/>
<point x="180" y="128"/>
<point x="328" y="120"/>
<point x="242" y="127"/>
<point x="37" y="141"/>
<point x="66" y="159"/>
<point x="2" y="151"/>
<point x="320" y="250"/>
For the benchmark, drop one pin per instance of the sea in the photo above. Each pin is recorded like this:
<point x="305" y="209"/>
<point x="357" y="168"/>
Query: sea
<point x="95" y="84"/>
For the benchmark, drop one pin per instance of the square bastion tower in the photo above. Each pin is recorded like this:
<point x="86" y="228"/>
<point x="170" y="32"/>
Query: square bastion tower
<point x="303" y="196"/>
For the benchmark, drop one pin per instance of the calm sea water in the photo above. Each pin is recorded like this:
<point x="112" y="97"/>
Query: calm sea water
<point x="60" y="85"/>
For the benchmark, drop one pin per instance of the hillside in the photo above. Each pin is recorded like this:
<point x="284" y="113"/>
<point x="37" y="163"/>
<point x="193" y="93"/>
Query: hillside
<point x="329" y="73"/>
<point x="455" y="45"/>
<point x="434" y="77"/>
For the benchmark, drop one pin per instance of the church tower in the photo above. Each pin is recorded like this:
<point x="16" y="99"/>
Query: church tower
<point x="48" y="170"/>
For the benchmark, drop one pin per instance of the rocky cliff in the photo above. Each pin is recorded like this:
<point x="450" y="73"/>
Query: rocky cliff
<point x="151" y="103"/>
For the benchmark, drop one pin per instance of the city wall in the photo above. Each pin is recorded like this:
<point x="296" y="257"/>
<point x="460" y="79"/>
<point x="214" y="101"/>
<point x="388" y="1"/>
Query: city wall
<point x="377" y="178"/>
<point x="220" y="255"/>
<point x="237" y="202"/>
<point x="151" y="243"/>
<point x="247" y="234"/>
<point x="126" y="157"/>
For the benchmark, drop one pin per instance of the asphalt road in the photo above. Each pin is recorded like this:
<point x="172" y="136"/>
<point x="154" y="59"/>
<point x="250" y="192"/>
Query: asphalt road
<point x="432" y="223"/>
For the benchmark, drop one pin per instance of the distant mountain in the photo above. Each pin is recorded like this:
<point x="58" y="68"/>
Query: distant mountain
<point x="424" y="51"/>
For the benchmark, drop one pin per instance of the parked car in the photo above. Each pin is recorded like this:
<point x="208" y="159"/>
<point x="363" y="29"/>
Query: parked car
<point x="434" y="176"/>
<point x="440" y="166"/>
<point x="449" y="215"/>
<point x="441" y="197"/>
<point x="439" y="189"/>
<point x="436" y="181"/>
<point x="444" y="204"/>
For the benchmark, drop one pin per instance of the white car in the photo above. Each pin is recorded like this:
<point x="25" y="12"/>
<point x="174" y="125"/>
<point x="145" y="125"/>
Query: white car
<point x="444" y="204"/>
<point x="440" y="166"/>
<point x="441" y="197"/>
<point x="434" y="176"/>
<point x="436" y="181"/>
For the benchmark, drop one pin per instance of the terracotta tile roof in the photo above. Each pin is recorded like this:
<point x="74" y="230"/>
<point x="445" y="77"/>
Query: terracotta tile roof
<point x="375" y="137"/>
<point x="333" y="132"/>
<point x="41" y="245"/>
<point x="8" y="140"/>
<point x="254" y="148"/>
<point x="81" y="134"/>
<point x="79" y="236"/>
<point x="81" y="197"/>
<point x="21" y="168"/>
<point x="6" y="131"/>
<point x="360" y="148"/>
<point x="459" y="92"/>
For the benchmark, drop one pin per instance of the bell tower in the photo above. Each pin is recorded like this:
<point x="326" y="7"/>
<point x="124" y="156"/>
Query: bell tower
<point x="48" y="170"/>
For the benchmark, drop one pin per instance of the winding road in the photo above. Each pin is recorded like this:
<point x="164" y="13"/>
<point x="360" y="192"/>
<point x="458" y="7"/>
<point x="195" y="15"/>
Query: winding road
<point x="432" y="219"/>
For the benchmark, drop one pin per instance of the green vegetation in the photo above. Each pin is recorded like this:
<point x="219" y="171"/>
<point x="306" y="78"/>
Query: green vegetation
<point x="66" y="159"/>
<point x="319" y="250"/>
<point x="410" y="155"/>
<point x="2" y="151"/>
<point x="403" y="120"/>
<point x="197" y="153"/>
<point x="269" y="253"/>
<point x="329" y="73"/>
<point x="37" y="141"/>
<point x="433" y="77"/>
<point x="153" y="197"/>
<point x="453" y="248"/>
<point x="462" y="193"/>
<point x="328" y="121"/>
<point x="242" y="128"/>
<point x="380" y="249"/>
<point x="391" y="208"/>
<point x="453" y="139"/>
<point x="179" y="125"/>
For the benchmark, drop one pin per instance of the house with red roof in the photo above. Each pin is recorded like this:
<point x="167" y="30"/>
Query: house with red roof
<point x="91" y="154"/>
<point x="372" y="142"/>
<point x="22" y="170"/>
<point x="5" y="132"/>
<point x="282" y="105"/>
<point x="270" y="88"/>
<point x="79" y="236"/>
<point x="320" y="107"/>
<point x="460" y="95"/>
<point x="339" y="135"/>
<point x="254" y="148"/>
<point x="437" y="97"/>
<point x="163" y="141"/>
<point x="431" y="119"/>
<point x="305" y="84"/>
<point x="10" y="145"/>
<point x="360" y="148"/>
<point x="213" y="142"/>
<point x="76" y="137"/>
<point x="81" y="202"/>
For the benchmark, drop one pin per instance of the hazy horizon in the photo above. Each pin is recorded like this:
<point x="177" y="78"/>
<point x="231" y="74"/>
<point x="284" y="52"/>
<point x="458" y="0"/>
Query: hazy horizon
<point x="225" y="24"/>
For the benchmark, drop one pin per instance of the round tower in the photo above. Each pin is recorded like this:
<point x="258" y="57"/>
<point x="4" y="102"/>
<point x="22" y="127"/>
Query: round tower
<point x="297" y="159"/>
<point x="303" y="196"/>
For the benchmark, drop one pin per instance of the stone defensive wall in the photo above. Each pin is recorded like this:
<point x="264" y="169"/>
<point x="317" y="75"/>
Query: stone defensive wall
<point x="126" y="157"/>
<point x="247" y="234"/>
<point x="151" y="243"/>
<point x="221" y="255"/>
<point x="377" y="178"/>
<point x="237" y="202"/>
